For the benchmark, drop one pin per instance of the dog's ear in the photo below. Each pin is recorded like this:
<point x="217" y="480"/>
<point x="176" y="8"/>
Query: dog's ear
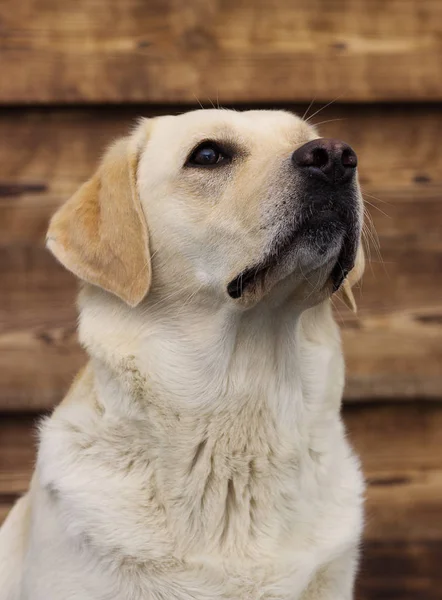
<point x="100" y="233"/>
<point x="353" y="277"/>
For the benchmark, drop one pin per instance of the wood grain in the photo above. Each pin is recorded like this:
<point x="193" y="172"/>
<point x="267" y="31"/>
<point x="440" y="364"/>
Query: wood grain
<point x="400" y="570"/>
<point x="401" y="456"/>
<point x="167" y="51"/>
<point x="18" y="438"/>
<point x="392" y="346"/>
<point x="402" y="461"/>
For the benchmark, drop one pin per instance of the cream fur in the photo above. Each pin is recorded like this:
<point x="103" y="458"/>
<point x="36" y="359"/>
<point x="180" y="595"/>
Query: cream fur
<point x="201" y="453"/>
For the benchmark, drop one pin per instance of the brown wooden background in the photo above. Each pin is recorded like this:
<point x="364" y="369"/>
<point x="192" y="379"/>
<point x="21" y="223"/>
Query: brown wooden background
<point x="75" y="74"/>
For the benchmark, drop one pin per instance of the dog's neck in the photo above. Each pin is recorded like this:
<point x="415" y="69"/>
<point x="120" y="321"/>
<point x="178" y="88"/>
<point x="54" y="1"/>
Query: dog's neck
<point x="281" y="358"/>
<point x="219" y="421"/>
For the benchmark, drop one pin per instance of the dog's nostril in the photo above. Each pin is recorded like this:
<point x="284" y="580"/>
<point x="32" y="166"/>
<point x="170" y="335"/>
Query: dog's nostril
<point x="319" y="157"/>
<point x="348" y="158"/>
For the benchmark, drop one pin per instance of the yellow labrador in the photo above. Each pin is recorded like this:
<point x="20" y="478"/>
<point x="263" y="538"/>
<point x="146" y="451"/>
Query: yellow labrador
<point x="201" y="454"/>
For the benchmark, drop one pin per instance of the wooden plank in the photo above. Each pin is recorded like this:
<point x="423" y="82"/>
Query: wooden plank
<point x="399" y="445"/>
<point x="18" y="437"/>
<point x="401" y="456"/>
<point x="233" y="51"/>
<point x="404" y="571"/>
<point x="392" y="346"/>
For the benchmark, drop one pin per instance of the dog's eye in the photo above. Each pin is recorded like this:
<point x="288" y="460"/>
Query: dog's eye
<point x="207" y="154"/>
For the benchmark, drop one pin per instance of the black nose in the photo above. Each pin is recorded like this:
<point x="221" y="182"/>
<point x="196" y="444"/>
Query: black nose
<point x="328" y="159"/>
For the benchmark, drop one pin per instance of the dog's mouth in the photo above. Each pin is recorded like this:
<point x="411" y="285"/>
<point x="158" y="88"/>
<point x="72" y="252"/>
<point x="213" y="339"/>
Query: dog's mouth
<point x="261" y="275"/>
<point x="256" y="275"/>
<point x="246" y="279"/>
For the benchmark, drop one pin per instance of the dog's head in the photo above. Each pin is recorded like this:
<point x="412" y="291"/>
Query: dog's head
<point x="234" y="206"/>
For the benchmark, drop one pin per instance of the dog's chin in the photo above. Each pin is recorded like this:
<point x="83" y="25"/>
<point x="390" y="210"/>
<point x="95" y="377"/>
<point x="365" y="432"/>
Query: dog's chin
<point x="312" y="261"/>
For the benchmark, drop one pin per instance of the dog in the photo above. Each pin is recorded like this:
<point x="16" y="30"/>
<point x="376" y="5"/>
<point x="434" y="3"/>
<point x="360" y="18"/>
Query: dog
<point x="200" y="454"/>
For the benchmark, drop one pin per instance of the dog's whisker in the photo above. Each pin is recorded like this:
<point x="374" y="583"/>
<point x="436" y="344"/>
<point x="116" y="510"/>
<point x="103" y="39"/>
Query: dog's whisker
<point x="369" y="230"/>
<point x="308" y="108"/>
<point x="328" y="121"/>
<point x="324" y="107"/>
<point x="336" y="309"/>
<point x="377" y="208"/>
<point x="371" y="236"/>
<point x="201" y="106"/>
<point x="364" y="193"/>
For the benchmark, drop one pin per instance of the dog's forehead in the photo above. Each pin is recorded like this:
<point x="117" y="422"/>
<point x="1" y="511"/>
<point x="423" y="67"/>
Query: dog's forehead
<point x="245" y="126"/>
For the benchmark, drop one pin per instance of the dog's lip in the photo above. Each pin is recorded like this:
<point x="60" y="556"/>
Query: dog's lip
<point x="339" y="274"/>
<point x="343" y="266"/>
<point x="251" y="275"/>
<point x="239" y="284"/>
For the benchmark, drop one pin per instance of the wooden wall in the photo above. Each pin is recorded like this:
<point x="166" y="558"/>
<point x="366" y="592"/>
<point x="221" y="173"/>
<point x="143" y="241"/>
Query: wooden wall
<point x="77" y="74"/>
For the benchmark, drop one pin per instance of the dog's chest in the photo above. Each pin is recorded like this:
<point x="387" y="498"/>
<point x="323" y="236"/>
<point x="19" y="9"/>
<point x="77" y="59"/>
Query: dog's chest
<point x="233" y="514"/>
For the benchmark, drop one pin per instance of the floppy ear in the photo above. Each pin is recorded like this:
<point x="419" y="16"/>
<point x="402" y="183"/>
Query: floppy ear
<point x="353" y="277"/>
<point x="100" y="234"/>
